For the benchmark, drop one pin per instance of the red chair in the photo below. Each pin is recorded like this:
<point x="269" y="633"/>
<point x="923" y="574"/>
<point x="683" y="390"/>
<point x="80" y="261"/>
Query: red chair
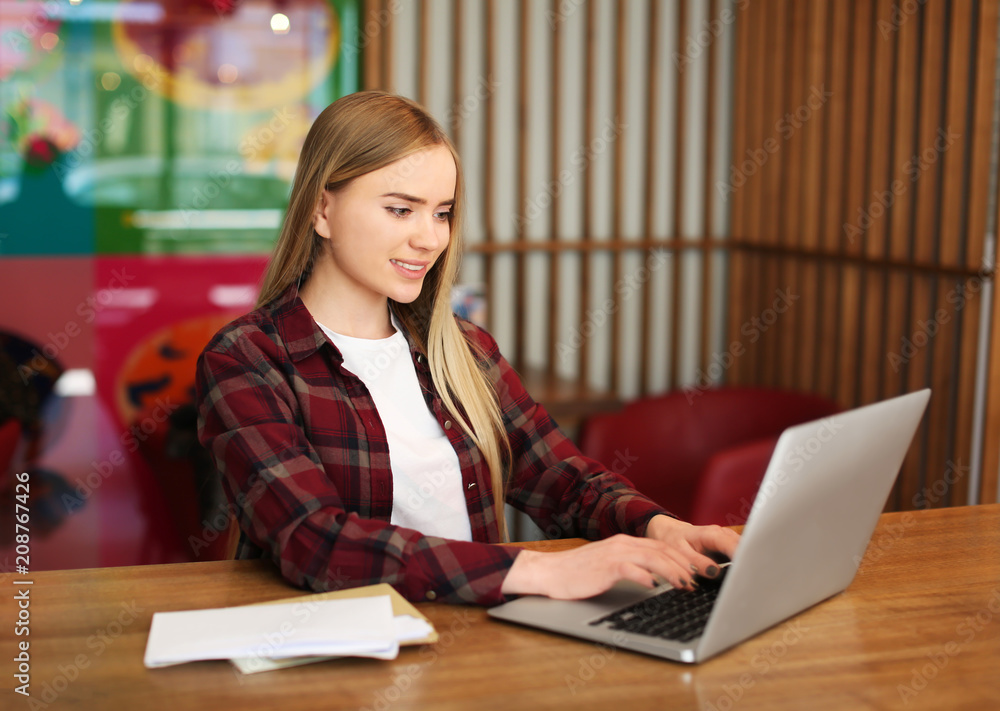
<point x="10" y="436"/>
<point x="701" y="454"/>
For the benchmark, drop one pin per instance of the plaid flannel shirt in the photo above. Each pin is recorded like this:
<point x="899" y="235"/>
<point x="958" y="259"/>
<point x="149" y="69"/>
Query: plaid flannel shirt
<point x="305" y="464"/>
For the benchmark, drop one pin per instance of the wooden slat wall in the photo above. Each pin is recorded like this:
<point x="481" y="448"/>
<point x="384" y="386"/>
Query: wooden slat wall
<point x="880" y="218"/>
<point x="611" y="243"/>
<point x="819" y="200"/>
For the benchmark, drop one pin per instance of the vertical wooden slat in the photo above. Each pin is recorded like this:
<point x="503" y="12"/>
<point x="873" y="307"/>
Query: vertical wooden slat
<point x="933" y="22"/>
<point x="875" y="216"/>
<point x="781" y="169"/>
<point x="812" y="135"/>
<point x="388" y="81"/>
<point x="652" y="131"/>
<point x="708" y="190"/>
<point x="963" y="376"/>
<point x="856" y="158"/>
<point x="980" y="133"/>
<point x="958" y="115"/>
<point x="882" y="213"/>
<point x="423" y="49"/>
<point x="914" y="288"/>
<point x="978" y="206"/>
<point x="677" y="255"/>
<point x="790" y="217"/>
<point x="738" y="259"/>
<point x="772" y="176"/>
<point x="825" y="199"/>
<point x="520" y="285"/>
<point x="858" y="246"/>
<point x="937" y="368"/>
<point x="757" y="120"/>
<point x="932" y="19"/>
<point x="989" y="489"/>
<point x="487" y="182"/>
<point x="457" y="62"/>
<point x="902" y="224"/>
<point x="838" y="58"/>
<point x="618" y="197"/>
<point x="588" y="132"/>
<point x="905" y="246"/>
<point x="554" y="219"/>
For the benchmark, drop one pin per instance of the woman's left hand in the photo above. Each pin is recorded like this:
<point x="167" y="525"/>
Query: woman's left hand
<point x="689" y="543"/>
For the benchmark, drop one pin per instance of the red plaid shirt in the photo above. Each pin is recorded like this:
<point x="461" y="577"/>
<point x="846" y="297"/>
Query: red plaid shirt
<point x="305" y="463"/>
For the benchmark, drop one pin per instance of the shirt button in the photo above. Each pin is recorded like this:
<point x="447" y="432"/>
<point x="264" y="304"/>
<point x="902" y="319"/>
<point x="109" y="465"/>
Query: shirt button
<point x="447" y="424"/>
<point x="431" y="595"/>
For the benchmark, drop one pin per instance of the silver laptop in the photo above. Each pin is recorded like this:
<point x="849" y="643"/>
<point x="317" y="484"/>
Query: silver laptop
<point x="815" y="512"/>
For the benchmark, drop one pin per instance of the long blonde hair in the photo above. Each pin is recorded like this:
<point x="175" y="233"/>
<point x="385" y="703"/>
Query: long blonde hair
<point x="355" y="135"/>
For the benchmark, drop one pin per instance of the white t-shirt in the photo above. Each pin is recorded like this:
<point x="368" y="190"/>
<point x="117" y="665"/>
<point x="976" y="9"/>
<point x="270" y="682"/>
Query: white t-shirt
<point x="427" y="493"/>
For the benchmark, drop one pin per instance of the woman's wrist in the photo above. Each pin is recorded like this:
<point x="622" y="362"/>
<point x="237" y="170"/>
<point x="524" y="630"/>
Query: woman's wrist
<point x="660" y="526"/>
<point x="522" y="577"/>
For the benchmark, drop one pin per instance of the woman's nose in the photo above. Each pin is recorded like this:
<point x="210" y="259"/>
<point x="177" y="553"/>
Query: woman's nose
<point x="430" y="234"/>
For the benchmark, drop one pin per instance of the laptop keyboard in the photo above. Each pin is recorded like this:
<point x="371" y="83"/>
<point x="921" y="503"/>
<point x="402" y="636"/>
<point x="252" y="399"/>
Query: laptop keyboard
<point x="678" y="615"/>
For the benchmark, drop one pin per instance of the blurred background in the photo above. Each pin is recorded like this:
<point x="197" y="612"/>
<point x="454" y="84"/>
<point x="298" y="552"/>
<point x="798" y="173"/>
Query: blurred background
<point x="666" y="197"/>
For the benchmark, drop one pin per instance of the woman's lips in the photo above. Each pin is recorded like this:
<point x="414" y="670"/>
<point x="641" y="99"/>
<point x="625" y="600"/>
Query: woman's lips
<point x="410" y="270"/>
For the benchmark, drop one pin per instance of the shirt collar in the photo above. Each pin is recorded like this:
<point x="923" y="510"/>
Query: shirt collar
<point x="298" y="331"/>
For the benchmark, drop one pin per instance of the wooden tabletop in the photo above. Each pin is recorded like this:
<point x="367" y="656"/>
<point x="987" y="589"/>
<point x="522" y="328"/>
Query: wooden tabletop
<point x="918" y="629"/>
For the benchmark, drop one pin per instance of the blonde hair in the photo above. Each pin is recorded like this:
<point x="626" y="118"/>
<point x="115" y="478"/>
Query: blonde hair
<point x="355" y="135"/>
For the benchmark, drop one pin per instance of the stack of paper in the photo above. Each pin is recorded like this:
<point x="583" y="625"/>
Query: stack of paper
<point x="271" y="636"/>
<point x="408" y="629"/>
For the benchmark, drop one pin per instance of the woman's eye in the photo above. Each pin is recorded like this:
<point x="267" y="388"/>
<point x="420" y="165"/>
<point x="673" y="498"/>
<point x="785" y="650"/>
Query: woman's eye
<point x="399" y="211"/>
<point x="443" y="216"/>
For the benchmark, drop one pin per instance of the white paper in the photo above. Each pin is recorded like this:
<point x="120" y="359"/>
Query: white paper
<point x="341" y="627"/>
<point x="407" y="628"/>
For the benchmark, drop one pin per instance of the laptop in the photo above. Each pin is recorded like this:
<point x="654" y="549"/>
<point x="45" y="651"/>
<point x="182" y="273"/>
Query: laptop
<point x="816" y="509"/>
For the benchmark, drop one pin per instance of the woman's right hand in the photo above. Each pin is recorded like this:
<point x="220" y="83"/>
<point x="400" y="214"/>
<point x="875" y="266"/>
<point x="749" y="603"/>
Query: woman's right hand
<point x="593" y="568"/>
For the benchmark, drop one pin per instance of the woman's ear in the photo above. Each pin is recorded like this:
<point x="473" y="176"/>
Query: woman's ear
<point x="320" y="223"/>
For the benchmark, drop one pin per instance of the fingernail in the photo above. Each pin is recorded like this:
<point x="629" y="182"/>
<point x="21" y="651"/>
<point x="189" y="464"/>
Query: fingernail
<point x="694" y="568"/>
<point x="711" y="571"/>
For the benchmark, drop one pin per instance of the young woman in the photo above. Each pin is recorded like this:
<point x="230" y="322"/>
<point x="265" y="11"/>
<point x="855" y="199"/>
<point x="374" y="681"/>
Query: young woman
<point x="365" y="434"/>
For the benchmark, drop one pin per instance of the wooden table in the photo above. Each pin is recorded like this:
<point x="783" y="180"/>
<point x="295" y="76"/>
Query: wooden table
<point x="918" y="629"/>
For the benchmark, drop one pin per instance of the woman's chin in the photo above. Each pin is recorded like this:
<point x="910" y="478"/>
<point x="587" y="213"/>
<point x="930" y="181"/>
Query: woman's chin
<point x="405" y="296"/>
